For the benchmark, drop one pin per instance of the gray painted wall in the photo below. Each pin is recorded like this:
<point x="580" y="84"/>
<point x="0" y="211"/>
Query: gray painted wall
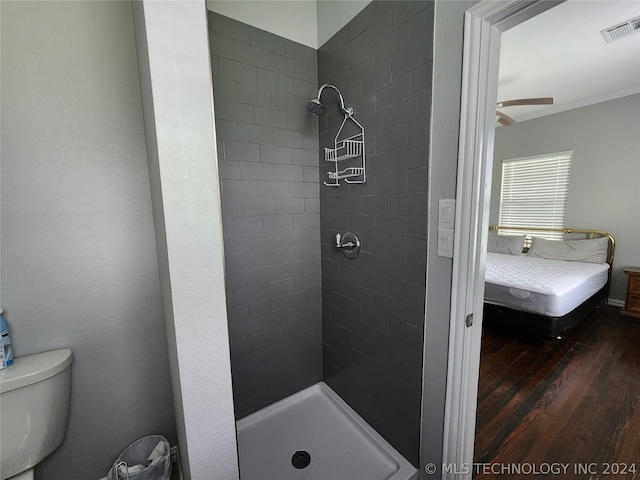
<point x="373" y="305"/>
<point x="445" y="121"/>
<point x="605" y="171"/>
<point x="268" y="162"/>
<point x="79" y="265"/>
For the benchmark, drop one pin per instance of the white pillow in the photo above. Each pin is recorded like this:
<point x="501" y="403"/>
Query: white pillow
<point x="508" y="244"/>
<point x="590" y="251"/>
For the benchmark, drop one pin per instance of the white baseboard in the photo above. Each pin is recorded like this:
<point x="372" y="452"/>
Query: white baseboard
<point x="614" y="302"/>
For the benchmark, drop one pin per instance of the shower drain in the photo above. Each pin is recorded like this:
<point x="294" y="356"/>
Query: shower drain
<point x="301" y="459"/>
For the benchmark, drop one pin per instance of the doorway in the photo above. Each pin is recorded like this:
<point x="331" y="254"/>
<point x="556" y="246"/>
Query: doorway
<point x="484" y="24"/>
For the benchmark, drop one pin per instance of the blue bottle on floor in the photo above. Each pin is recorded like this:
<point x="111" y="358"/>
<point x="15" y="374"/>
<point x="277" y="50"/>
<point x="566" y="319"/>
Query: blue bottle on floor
<point x="6" y="355"/>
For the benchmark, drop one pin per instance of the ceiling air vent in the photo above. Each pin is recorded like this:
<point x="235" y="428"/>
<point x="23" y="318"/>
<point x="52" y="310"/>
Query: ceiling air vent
<point x="621" y="30"/>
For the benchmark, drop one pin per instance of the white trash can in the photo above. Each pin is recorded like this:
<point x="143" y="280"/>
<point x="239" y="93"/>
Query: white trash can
<point x="148" y="458"/>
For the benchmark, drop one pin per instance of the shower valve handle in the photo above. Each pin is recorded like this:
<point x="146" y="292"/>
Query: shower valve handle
<point x="349" y="243"/>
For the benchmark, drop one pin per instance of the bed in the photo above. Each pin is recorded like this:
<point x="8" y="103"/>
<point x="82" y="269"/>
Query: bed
<point x="535" y="286"/>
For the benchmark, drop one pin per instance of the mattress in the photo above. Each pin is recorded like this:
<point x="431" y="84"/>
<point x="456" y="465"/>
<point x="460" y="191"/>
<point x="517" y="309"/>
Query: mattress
<point x="551" y="288"/>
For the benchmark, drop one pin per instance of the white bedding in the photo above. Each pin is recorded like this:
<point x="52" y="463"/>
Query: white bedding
<point x="546" y="287"/>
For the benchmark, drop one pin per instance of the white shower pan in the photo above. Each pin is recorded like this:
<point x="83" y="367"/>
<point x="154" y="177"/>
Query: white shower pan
<point x="317" y="427"/>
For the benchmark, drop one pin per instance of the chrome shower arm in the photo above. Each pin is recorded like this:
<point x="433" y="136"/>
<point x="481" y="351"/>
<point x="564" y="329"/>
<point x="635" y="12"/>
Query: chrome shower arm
<point x="346" y="110"/>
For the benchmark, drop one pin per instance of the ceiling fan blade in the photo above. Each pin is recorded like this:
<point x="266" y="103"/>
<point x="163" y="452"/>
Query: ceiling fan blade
<point x="526" y="101"/>
<point x="504" y="120"/>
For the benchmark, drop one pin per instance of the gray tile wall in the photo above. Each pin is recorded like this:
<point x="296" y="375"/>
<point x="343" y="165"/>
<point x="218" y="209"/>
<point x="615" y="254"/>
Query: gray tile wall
<point x="268" y="159"/>
<point x="373" y="305"/>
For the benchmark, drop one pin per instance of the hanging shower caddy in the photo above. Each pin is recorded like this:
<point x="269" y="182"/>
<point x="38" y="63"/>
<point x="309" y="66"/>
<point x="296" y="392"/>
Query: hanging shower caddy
<point x="347" y="149"/>
<point x="350" y="148"/>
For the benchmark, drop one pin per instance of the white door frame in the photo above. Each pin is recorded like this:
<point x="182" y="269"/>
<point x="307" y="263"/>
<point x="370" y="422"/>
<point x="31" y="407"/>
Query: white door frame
<point x="484" y="24"/>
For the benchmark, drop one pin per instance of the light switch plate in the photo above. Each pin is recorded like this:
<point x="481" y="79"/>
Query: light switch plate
<point x="445" y="242"/>
<point x="447" y="213"/>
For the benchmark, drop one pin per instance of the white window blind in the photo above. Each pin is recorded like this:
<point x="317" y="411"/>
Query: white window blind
<point x="534" y="193"/>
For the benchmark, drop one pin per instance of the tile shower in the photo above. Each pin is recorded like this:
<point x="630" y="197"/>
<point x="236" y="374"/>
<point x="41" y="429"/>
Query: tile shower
<point x="299" y="311"/>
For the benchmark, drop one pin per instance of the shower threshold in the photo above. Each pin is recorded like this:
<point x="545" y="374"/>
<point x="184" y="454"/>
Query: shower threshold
<point x="315" y="435"/>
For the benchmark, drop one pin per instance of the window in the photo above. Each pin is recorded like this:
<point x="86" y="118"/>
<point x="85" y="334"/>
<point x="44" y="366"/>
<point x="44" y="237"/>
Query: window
<point x="534" y="192"/>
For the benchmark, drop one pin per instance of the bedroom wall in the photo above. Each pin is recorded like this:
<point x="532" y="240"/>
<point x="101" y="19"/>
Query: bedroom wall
<point x="605" y="172"/>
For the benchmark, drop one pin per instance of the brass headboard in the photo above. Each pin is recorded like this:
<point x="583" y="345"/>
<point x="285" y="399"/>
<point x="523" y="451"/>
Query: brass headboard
<point x="589" y="233"/>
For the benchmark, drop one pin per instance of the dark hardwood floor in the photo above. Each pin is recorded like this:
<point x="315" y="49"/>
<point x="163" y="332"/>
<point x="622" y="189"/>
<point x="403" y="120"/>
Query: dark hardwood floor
<point x="544" y="404"/>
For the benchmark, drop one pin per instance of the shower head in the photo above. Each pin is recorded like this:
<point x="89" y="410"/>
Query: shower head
<point x="315" y="107"/>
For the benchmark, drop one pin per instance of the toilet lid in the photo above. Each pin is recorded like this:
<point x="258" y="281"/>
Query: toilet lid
<point x="34" y="368"/>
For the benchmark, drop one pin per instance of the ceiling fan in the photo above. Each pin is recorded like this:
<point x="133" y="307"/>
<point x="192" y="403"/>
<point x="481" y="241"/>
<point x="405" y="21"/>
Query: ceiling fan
<point x="504" y="119"/>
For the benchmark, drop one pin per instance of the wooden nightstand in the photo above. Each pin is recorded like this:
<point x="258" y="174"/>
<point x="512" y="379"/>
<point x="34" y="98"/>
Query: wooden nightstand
<point x="632" y="305"/>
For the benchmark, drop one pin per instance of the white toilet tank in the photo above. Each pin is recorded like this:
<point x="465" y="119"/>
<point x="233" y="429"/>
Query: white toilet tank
<point x="34" y="406"/>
